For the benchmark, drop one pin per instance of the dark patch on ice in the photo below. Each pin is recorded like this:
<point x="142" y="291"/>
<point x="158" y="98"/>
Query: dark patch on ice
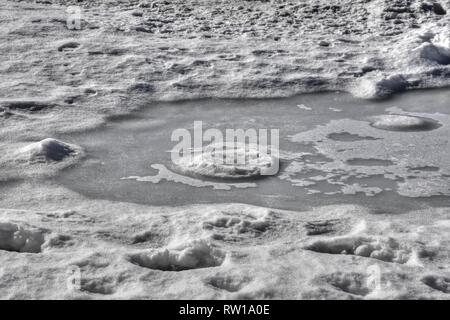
<point x="28" y="106"/>
<point x="425" y="168"/>
<point x="346" y="136"/>
<point x="369" y="162"/>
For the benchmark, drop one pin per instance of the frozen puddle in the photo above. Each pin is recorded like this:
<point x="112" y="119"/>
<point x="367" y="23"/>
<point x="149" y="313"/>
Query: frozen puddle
<point x="392" y="155"/>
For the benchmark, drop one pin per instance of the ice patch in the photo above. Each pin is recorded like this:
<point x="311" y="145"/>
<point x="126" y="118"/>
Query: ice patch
<point x="381" y="163"/>
<point x="166" y="174"/>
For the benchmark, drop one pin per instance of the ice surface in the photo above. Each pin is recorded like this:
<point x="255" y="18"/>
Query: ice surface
<point x="369" y="149"/>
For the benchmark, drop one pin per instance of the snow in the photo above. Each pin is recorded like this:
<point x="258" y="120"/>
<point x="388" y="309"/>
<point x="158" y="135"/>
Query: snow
<point x="47" y="150"/>
<point x="214" y="251"/>
<point x="379" y="87"/>
<point x="14" y="237"/>
<point x="391" y="151"/>
<point x="437" y="50"/>
<point x="168" y="175"/>
<point x="198" y="254"/>
<point x="57" y="82"/>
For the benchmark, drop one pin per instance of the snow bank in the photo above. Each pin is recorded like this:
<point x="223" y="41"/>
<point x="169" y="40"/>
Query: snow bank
<point x="14" y="237"/>
<point x="197" y="254"/>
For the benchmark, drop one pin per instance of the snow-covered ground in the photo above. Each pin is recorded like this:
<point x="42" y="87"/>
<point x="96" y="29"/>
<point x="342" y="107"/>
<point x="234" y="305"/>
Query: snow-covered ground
<point x="55" y="243"/>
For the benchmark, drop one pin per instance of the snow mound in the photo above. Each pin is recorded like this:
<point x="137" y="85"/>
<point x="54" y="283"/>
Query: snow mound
<point x="197" y="254"/>
<point x="395" y="122"/>
<point x="437" y="50"/>
<point x="48" y="150"/>
<point x="14" y="237"/>
<point x="379" y="87"/>
<point x="214" y="161"/>
<point x="389" y="250"/>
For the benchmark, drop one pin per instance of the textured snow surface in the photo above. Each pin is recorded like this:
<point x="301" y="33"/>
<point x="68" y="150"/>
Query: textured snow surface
<point x="129" y="53"/>
<point x="124" y="250"/>
<point x="57" y="244"/>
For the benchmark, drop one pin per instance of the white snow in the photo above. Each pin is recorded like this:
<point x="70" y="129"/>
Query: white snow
<point x="14" y="237"/>
<point x="198" y="254"/>
<point x="42" y="158"/>
<point x="403" y="123"/>
<point x="131" y="54"/>
<point x="378" y="87"/>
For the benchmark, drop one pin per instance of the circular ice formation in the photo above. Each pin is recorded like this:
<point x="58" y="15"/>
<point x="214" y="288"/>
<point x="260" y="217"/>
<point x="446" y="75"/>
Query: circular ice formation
<point x="395" y="122"/>
<point x="229" y="160"/>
